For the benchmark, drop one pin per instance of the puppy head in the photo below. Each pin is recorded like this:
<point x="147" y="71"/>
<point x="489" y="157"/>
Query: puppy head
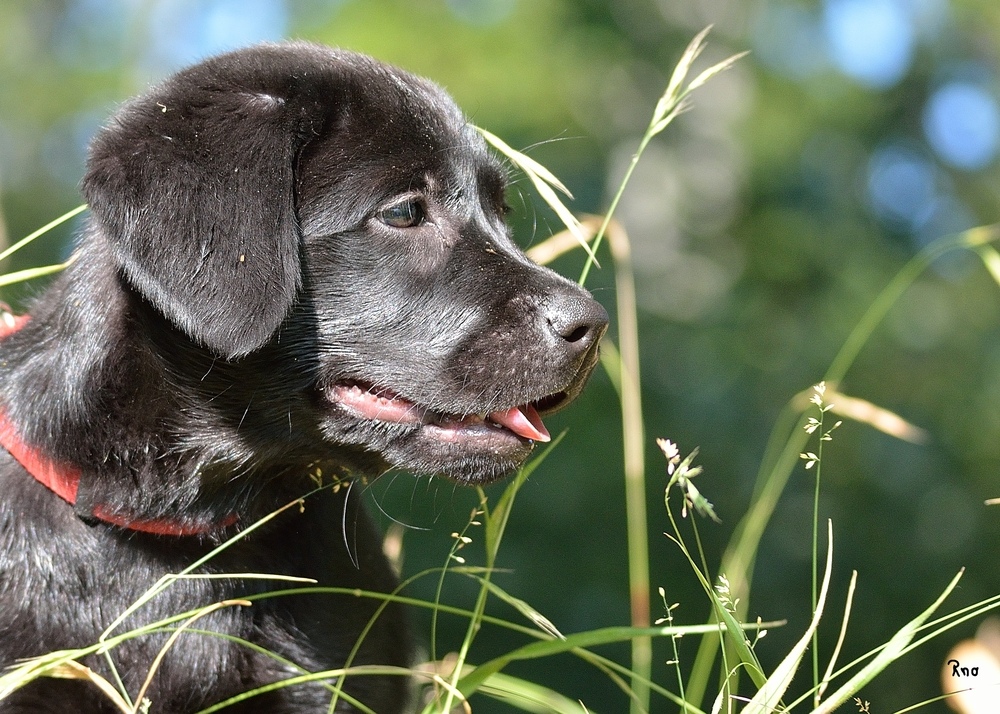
<point x="347" y="205"/>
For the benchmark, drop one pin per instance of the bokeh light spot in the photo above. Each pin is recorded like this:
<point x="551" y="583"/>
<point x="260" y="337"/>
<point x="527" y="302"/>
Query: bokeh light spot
<point x="789" y="39"/>
<point x="870" y="40"/>
<point x="184" y="31"/>
<point x="962" y="124"/>
<point x="902" y="186"/>
<point x="92" y="33"/>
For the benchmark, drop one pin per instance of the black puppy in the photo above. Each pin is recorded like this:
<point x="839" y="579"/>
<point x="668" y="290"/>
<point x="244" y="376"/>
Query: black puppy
<point x="296" y="264"/>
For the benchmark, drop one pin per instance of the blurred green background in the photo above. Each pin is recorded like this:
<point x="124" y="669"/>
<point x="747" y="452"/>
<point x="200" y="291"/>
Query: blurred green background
<point x="763" y="223"/>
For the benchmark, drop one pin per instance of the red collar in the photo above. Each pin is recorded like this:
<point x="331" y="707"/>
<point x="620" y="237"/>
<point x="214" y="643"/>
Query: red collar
<point x="64" y="479"/>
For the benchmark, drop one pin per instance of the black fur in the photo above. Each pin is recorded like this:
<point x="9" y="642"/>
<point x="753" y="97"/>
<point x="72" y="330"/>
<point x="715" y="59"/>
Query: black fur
<point x="239" y="275"/>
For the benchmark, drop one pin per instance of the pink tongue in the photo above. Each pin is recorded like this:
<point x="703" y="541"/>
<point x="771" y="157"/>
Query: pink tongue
<point x="523" y="421"/>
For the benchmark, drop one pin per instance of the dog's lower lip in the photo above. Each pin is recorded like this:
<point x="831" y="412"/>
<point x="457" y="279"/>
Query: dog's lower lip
<point x="383" y="405"/>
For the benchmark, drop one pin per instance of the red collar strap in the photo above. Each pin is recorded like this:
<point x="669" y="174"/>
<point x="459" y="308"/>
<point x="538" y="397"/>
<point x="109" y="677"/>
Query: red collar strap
<point x="64" y="479"/>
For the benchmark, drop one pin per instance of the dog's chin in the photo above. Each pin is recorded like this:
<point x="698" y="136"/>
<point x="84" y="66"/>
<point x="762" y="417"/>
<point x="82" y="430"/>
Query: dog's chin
<point x="469" y="466"/>
<point x="473" y="448"/>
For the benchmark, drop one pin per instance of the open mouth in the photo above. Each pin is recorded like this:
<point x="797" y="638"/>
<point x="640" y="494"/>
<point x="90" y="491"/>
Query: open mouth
<point x="383" y="405"/>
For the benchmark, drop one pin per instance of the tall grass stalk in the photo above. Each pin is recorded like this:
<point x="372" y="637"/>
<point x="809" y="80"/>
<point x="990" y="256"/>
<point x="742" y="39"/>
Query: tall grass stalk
<point x="817" y="425"/>
<point x="622" y="365"/>
<point x="634" y="440"/>
<point x="674" y="101"/>
<point x="495" y="525"/>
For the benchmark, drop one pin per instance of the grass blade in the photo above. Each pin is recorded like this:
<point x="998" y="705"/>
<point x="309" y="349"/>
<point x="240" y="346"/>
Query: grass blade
<point x="715" y="69"/>
<point x="19" y="276"/>
<point x="523" y="161"/>
<point x="828" y="675"/>
<point x="75" y="670"/>
<point x="544" y="182"/>
<point x="592" y="638"/>
<point x="531" y="614"/>
<point x="43" y="230"/>
<point x="672" y="102"/>
<point x="175" y="635"/>
<point x="892" y="651"/>
<point x="496" y="518"/>
<point x="788" y="438"/>
<point x="673" y="90"/>
<point x="767" y="697"/>
<point x="529" y="697"/>
<point x="991" y="259"/>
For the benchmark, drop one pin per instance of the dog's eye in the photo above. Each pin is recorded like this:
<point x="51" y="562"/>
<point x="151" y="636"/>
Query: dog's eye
<point x="407" y="214"/>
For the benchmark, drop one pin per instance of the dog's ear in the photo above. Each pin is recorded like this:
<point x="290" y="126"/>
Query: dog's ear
<point x="193" y="187"/>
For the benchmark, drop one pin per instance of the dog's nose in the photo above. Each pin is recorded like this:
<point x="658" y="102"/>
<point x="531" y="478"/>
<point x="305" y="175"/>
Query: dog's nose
<point x="576" y="320"/>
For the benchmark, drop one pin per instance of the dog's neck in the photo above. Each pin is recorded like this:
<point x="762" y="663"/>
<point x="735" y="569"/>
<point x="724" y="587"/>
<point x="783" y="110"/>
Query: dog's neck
<point x="63" y="479"/>
<point x="103" y="436"/>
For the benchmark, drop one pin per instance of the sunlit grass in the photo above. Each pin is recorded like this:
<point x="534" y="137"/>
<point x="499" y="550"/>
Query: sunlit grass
<point x="32" y="273"/>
